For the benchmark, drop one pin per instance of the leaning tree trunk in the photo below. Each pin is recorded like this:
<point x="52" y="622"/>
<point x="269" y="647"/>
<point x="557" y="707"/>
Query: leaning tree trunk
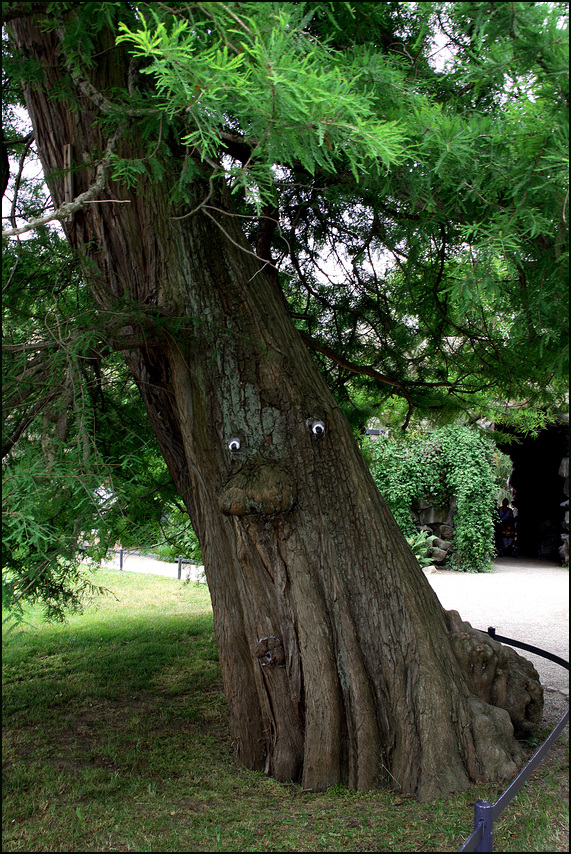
<point x="339" y="664"/>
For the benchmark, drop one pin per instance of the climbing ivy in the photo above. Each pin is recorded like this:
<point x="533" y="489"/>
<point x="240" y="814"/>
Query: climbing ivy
<point x="452" y="461"/>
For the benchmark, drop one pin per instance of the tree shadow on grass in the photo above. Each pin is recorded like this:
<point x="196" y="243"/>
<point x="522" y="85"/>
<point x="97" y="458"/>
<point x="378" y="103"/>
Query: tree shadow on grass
<point x="126" y="700"/>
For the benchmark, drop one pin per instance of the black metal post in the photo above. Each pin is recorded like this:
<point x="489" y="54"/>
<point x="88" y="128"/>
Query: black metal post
<point x="484" y="815"/>
<point x="120" y="560"/>
<point x="179" y="566"/>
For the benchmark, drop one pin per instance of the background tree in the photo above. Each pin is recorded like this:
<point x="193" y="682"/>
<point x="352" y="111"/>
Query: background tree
<point x="82" y="470"/>
<point x="215" y="152"/>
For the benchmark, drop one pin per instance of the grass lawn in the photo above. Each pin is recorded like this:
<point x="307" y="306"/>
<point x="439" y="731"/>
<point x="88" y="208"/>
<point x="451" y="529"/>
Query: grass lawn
<point x="115" y="738"/>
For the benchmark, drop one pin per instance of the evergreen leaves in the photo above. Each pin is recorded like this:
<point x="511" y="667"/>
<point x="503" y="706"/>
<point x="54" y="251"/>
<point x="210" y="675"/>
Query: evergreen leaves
<point x="81" y="468"/>
<point x="294" y="100"/>
<point x="421" y="233"/>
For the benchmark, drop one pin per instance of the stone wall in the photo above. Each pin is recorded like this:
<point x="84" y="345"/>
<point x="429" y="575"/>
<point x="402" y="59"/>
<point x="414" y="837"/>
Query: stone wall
<point x="439" y="523"/>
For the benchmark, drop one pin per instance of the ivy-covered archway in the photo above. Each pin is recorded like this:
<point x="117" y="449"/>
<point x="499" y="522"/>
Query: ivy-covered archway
<point x="450" y="462"/>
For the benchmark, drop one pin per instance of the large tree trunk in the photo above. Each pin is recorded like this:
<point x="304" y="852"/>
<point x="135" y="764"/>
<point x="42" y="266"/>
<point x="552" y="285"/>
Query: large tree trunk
<point x="338" y="661"/>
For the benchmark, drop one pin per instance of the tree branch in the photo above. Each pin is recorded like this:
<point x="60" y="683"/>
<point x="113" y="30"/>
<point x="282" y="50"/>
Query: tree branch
<point x="364" y="370"/>
<point x="69" y="208"/>
<point x="237" y="146"/>
<point x="18" y="180"/>
<point x="9" y="144"/>
<point x="26" y="421"/>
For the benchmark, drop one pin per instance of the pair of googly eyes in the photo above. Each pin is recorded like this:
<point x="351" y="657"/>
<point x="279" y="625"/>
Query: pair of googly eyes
<point x="315" y="426"/>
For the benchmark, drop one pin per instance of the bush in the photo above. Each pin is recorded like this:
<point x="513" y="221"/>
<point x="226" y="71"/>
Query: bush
<point x="451" y="461"/>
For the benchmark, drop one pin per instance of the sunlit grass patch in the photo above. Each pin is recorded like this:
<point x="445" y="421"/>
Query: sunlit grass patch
<point x="115" y="738"/>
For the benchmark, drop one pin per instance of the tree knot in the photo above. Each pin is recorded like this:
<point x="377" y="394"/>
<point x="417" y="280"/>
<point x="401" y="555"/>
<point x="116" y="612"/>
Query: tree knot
<point x="270" y="652"/>
<point x="258" y="490"/>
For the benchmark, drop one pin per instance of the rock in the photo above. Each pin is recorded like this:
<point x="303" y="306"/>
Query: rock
<point x="425" y="528"/>
<point x="497" y="674"/>
<point x="421" y="505"/>
<point x="564" y="467"/>
<point x="438" y="555"/>
<point x="564" y="548"/>
<point x="446" y="532"/>
<point x="441" y="544"/>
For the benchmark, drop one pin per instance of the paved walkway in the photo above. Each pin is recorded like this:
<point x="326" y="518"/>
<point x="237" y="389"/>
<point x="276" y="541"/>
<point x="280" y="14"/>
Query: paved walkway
<point x="527" y="600"/>
<point x="140" y="563"/>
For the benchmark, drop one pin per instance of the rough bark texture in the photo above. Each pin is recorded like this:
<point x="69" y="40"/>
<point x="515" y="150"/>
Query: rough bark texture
<point x="497" y="674"/>
<point x="339" y="664"/>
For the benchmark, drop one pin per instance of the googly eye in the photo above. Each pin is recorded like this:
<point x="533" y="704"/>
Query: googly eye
<point x="316" y="426"/>
<point x="234" y="444"/>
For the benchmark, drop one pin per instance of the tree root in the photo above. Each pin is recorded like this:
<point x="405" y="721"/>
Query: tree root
<point x="497" y="674"/>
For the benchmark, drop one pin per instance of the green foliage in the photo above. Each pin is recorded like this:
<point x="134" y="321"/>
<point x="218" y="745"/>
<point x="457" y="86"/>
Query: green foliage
<point x="475" y="298"/>
<point x="420" y="544"/>
<point x="81" y="469"/>
<point x="403" y="473"/>
<point x="469" y="474"/>
<point x="503" y="467"/>
<point x="449" y="462"/>
<point x="300" y="101"/>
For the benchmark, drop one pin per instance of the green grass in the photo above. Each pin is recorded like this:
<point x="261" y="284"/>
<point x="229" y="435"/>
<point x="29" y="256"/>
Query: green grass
<point x="115" y="738"/>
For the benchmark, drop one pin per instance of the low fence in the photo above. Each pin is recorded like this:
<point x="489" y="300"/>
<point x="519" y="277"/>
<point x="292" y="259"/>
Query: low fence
<point x="180" y="560"/>
<point x="485" y="813"/>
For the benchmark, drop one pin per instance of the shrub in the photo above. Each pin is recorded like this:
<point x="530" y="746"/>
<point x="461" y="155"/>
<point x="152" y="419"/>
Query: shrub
<point x="420" y="544"/>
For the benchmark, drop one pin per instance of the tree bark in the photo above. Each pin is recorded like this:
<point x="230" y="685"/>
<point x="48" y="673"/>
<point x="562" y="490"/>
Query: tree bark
<point x="337" y="657"/>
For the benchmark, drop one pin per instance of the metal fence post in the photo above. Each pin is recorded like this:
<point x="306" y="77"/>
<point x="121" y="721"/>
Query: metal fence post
<point x="179" y="566"/>
<point x="484" y="814"/>
<point x="120" y="560"/>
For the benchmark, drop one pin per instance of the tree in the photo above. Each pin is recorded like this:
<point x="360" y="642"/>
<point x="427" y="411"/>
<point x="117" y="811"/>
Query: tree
<point x="206" y="142"/>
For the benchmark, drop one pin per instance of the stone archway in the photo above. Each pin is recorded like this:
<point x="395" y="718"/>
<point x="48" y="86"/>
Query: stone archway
<point x="540" y="484"/>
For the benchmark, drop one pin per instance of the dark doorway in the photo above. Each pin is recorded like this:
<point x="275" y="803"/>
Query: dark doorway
<point x="538" y="489"/>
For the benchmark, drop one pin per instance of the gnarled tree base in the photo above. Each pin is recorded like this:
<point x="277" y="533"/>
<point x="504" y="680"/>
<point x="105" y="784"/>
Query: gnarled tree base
<point x="497" y="674"/>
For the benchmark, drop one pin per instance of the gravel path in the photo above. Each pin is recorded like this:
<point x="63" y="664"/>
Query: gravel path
<point x="140" y="563"/>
